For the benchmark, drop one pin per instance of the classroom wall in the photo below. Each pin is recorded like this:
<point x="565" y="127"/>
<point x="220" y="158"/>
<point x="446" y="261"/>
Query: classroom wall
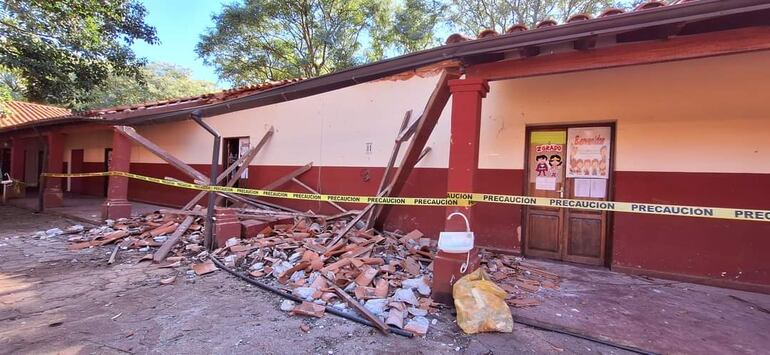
<point x="688" y="132"/>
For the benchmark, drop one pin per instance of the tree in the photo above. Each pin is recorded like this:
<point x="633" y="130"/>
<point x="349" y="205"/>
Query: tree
<point x="62" y="49"/>
<point x="415" y="24"/>
<point x="162" y="81"/>
<point x="258" y="40"/>
<point x="473" y="16"/>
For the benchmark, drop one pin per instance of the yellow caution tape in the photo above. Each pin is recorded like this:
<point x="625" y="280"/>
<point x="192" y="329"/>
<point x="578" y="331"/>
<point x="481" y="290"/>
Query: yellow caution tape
<point x="616" y="206"/>
<point x="406" y="201"/>
<point x="464" y="199"/>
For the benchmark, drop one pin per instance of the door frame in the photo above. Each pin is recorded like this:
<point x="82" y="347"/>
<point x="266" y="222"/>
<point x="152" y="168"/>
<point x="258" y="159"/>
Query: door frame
<point x="107" y="161"/>
<point x="224" y="154"/>
<point x="610" y="182"/>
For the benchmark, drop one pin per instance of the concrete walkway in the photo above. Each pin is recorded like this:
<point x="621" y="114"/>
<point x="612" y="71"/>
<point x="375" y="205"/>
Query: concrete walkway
<point x="84" y="208"/>
<point x="653" y="314"/>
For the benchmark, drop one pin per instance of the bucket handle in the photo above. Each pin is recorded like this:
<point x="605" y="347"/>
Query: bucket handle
<point x="464" y="266"/>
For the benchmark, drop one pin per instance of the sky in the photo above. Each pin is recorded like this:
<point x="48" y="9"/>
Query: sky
<point x="179" y="24"/>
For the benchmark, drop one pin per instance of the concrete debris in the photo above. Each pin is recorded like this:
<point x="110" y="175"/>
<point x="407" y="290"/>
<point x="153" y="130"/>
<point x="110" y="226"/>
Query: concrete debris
<point x="287" y="305"/>
<point x="74" y="229"/>
<point x="54" y="232"/>
<point x="417" y="283"/>
<point x="376" y="306"/>
<point x="406" y="295"/>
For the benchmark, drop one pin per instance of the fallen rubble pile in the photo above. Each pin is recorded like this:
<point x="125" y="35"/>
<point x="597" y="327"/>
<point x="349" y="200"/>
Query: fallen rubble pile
<point x="518" y="277"/>
<point x="384" y="276"/>
<point x="389" y="273"/>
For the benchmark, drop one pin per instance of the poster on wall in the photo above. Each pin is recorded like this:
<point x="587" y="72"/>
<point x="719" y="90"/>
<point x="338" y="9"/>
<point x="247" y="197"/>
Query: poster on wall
<point x="588" y="152"/>
<point x="546" y="152"/>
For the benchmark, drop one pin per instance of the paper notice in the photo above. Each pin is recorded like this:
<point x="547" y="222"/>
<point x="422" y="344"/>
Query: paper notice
<point x="545" y="183"/>
<point x="598" y="188"/>
<point x="582" y="187"/>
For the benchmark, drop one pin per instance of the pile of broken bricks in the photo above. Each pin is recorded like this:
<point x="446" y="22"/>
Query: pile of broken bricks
<point x="389" y="274"/>
<point x="519" y="278"/>
<point x="385" y="276"/>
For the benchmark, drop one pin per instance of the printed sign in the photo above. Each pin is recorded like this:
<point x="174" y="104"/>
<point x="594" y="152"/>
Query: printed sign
<point x="546" y="156"/>
<point x="588" y="152"/>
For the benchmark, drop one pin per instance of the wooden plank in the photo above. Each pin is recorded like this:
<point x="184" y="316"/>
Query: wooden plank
<point x="130" y="133"/>
<point x="379" y="324"/>
<point x="341" y="233"/>
<point x="377" y="209"/>
<point x="311" y="190"/>
<point x="286" y="178"/>
<point x="391" y="162"/>
<point x="164" y="249"/>
<point x="428" y="121"/>
<point x="244" y="160"/>
<point x="711" y="44"/>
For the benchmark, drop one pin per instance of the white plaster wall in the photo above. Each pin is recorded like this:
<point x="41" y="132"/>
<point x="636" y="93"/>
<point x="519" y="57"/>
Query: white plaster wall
<point x="704" y="115"/>
<point x="330" y="129"/>
<point x="93" y="143"/>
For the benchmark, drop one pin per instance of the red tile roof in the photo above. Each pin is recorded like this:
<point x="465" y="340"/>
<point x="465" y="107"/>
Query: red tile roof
<point x="186" y="102"/>
<point x="24" y="112"/>
<point x="485" y="33"/>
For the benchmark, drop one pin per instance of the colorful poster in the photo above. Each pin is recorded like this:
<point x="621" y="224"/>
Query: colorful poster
<point x="546" y="157"/>
<point x="588" y="152"/>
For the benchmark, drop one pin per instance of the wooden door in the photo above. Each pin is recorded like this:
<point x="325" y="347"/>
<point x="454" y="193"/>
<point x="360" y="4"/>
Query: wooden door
<point x="544" y="225"/>
<point x="568" y="163"/>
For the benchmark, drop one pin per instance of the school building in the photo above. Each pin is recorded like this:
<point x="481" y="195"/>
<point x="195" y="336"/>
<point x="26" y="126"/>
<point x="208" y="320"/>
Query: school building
<point x="666" y="104"/>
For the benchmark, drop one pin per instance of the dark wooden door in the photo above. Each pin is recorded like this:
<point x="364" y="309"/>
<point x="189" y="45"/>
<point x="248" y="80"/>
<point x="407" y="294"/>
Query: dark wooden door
<point x="76" y="166"/>
<point x="544" y="225"/>
<point x="556" y="169"/>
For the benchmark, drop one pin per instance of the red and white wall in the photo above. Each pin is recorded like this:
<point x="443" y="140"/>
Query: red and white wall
<point x="692" y="132"/>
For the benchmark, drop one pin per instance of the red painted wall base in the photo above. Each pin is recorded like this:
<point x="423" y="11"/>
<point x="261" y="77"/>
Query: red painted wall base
<point x="700" y="249"/>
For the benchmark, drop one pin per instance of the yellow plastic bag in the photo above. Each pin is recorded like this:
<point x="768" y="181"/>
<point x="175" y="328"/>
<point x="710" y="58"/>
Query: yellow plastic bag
<point x="480" y="305"/>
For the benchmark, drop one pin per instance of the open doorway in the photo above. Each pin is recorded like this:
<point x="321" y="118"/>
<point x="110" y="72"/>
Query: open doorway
<point x="570" y="162"/>
<point x="106" y="167"/>
<point x="233" y="149"/>
<point x="5" y="162"/>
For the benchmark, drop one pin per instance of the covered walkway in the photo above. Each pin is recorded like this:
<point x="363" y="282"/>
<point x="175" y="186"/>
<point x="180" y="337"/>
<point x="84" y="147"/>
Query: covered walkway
<point x="84" y="208"/>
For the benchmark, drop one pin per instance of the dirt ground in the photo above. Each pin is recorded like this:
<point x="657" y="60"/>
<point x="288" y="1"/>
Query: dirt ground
<point x="57" y="301"/>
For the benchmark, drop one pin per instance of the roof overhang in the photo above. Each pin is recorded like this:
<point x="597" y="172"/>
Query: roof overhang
<point x="484" y="50"/>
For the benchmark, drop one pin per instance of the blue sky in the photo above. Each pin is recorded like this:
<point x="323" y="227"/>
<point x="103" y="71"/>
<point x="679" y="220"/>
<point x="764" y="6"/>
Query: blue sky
<point x="179" y="24"/>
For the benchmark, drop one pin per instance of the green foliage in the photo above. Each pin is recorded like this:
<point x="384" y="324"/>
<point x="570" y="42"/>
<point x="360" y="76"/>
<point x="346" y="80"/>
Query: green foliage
<point x="62" y="49"/>
<point x="257" y="40"/>
<point x="472" y="16"/>
<point x="415" y="23"/>
<point x="161" y="81"/>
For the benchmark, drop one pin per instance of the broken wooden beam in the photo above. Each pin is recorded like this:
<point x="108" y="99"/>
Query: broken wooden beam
<point x="131" y="134"/>
<point x="428" y="121"/>
<point x="311" y="190"/>
<point x="244" y="160"/>
<point x="379" y="324"/>
<point x="286" y="178"/>
<point x="164" y="249"/>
